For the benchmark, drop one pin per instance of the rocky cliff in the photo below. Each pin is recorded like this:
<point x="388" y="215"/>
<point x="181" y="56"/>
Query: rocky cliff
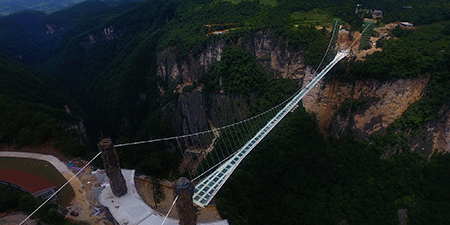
<point x="439" y="133"/>
<point x="364" y="107"/>
<point x="269" y="51"/>
<point x="193" y="111"/>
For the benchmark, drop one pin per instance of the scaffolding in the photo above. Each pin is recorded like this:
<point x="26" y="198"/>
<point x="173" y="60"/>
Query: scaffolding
<point x="365" y="38"/>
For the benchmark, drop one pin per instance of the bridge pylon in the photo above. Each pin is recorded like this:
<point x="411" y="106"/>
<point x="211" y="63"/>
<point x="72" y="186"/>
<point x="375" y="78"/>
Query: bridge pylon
<point x="184" y="189"/>
<point x="112" y="167"/>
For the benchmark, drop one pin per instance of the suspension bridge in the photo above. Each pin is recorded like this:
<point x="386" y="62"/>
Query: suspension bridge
<point x="211" y="156"/>
<point x="208" y="187"/>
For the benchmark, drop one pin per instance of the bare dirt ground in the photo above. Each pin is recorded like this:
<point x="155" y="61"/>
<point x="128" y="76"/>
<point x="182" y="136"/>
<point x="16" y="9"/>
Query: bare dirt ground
<point x="84" y="202"/>
<point x="362" y="54"/>
<point x="346" y="38"/>
<point x="144" y="188"/>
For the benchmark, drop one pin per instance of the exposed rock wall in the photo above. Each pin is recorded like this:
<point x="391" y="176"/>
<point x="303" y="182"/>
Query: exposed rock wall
<point x="188" y="113"/>
<point x="383" y="103"/>
<point x="271" y="53"/>
<point x="277" y="55"/>
<point x="193" y="111"/>
<point x="181" y="71"/>
<point x="439" y="131"/>
<point x="378" y="104"/>
<point x="324" y="101"/>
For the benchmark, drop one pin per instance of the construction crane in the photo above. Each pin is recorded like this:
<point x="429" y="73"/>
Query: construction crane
<point x="214" y="25"/>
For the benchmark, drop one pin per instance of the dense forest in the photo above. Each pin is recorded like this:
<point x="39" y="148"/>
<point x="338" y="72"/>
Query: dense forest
<point x="8" y="7"/>
<point x="299" y="177"/>
<point x="33" y="109"/>
<point x="15" y="200"/>
<point x="97" y="63"/>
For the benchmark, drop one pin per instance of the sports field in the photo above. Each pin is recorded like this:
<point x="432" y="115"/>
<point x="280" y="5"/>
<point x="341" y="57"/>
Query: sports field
<point x="43" y="169"/>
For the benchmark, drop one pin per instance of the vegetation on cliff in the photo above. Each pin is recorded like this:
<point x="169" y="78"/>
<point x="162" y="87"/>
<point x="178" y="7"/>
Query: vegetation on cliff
<point x="416" y="53"/>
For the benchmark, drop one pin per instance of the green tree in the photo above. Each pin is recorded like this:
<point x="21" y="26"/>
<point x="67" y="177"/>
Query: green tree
<point x="158" y="191"/>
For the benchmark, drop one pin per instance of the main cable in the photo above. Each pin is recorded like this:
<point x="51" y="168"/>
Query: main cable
<point x="358" y="37"/>
<point x="328" y="48"/>
<point x="173" y="203"/>
<point x="233" y="124"/>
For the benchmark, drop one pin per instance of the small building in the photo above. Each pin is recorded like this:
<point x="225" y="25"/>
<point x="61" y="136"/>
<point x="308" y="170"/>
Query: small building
<point x="377" y="13"/>
<point x="383" y="35"/>
<point x="27" y="182"/>
<point x="406" y="25"/>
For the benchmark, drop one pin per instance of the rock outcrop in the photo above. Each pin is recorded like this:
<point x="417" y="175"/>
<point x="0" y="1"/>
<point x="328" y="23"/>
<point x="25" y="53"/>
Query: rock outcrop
<point x="192" y="110"/>
<point x="107" y="34"/>
<point x="364" y="107"/>
<point x="379" y="104"/>
<point x="271" y="53"/>
<point x="439" y="133"/>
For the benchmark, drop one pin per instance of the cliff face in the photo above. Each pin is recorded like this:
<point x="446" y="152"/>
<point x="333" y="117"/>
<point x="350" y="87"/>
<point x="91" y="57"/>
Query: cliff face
<point x="187" y="70"/>
<point x="364" y="107"/>
<point x="439" y="132"/>
<point x="194" y="112"/>
<point x="108" y="33"/>
<point x="269" y="52"/>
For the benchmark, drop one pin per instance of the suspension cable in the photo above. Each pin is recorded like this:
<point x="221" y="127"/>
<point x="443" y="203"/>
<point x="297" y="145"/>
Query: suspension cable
<point x="230" y="125"/>
<point x="173" y="203"/>
<point x="328" y="48"/>
<point x="358" y="37"/>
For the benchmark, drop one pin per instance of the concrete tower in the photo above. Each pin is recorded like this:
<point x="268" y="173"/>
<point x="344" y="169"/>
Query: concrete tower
<point x="185" y="205"/>
<point x="112" y="167"/>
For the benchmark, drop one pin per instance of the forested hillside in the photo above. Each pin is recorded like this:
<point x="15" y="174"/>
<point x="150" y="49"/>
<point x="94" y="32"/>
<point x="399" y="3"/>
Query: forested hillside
<point x="33" y="110"/>
<point x="299" y="177"/>
<point x="136" y="71"/>
<point x="8" y="7"/>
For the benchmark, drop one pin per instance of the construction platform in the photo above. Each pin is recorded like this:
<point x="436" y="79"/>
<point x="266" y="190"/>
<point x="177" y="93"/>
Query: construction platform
<point x="130" y="209"/>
